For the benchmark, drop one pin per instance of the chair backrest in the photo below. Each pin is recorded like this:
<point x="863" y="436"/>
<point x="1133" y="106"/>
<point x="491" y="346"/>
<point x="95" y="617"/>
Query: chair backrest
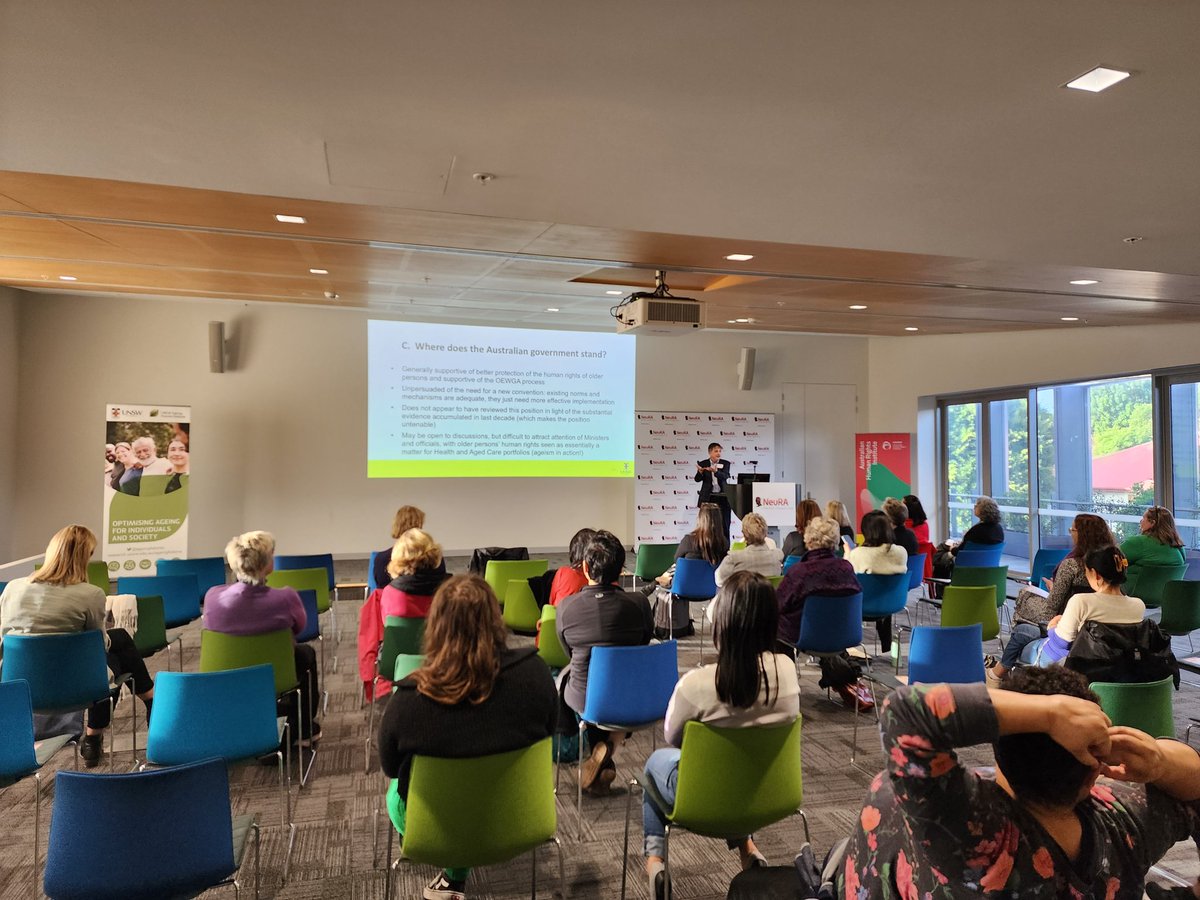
<point x="790" y="561"/>
<point x="314" y="579"/>
<point x="209" y="570"/>
<point x="97" y="574"/>
<point x="631" y="685"/>
<point x="928" y="549"/>
<point x="180" y="595"/>
<point x="400" y="635"/>
<point x="185" y="833"/>
<point x="695" y="579"/>
<point x="406" y="664"/>
<point x="952" y="654"/>
<point x="965" y="605"/>
<point x="199" y="715"/>
<point x="916" y="570"/>
<point x="65" y="671"/>
<point x="1146" y="706"/>
<point x="220" y="652"/>
<point x="983" y="576"/>
<point x="310" y="561"/>
<point x="371" y="585"/>
<point x="979" y="554"/>
<point x="479" y="810"/>
<point x="1147" y="582"/>
<point x="831" y="624"/>
<point x="521" y="611"/>
<point x="1180" y="607"/>
<point x="16" y="730"/>
<point x="312" y="618"/>
<point x="500" y="572"/>
<point x="733" y="781"/>
<point x="151" y="634"/>
<point x="550" y="648"/>
<point x="654" y="559"/>
<point x="1044" y="563"/>
<point x="884" y="595"/>
<point x="775" y="580"/>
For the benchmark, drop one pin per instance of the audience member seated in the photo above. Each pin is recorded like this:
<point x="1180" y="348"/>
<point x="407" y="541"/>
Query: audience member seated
<point x="57" y="599"/>
<point x="1159" y="543"/>
<point x="897" y="514"/>
<point x="1088" y="532"/>
<point x="406" y="517"/>
<point x="879" y="555"/>
<point x="987" y="530"/>
<point x="472" y="696"/>
<point x="1076" y="807"/>
<point x="836" y="510"/>
<point x="793" y="544"/>
<point x="819" y="571"/>
<point x="748" y="685"/>
<point x="250" y="607"/>
<point x="600" y="615"/>
<point x="759" y="555"/>
<point x="918" y="522"/>
<point x="569" y="579"/>
<point x="416" y="569"/>
<point x="706" y="541"/>
<point x="1105" y="569"/>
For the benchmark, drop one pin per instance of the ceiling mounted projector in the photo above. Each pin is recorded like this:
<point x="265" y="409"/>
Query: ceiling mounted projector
<point x="658" y="311"/>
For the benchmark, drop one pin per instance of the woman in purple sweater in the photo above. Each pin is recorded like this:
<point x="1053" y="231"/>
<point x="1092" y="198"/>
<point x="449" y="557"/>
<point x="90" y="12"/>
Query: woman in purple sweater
<point x="250" y="607"/>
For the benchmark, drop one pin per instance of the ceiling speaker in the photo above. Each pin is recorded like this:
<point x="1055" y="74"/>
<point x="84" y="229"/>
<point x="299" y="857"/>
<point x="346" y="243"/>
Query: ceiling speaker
<point x="745" y="369"/>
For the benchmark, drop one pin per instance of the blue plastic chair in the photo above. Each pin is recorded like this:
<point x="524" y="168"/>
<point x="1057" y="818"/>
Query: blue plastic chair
<point x="1044" y="563"/>
<point x="187" y="839"/>
<point x="371" y="585"/>
<point x="312" y="632"/>
<point x="694" y="581"/>
<point x="790" y="561"/>
<point x="952" y="654"/>
<point x="316" y="561"/>
<point x="830" y="624"/>
<point x="20" y="756"/>
<point x="180" y="593"/>
<point x="628" y="689"/>
<point x="916" y="571"/>
<point x="209" y="571"/>
<point x="227" y="715"/>
<point x="979" y="555"/>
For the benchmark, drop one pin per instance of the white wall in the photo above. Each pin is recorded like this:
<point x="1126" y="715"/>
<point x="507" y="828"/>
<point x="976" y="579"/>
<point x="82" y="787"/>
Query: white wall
<point x="9" y="368"/>
<point x="279" y="442"/>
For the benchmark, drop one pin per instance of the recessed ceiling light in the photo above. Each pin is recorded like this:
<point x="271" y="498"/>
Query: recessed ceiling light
<point x="733" y="321"/>
<point x="291" y="220"/>
<point x="912" y="328"/>
<point x="743" y="321"/>
<point x="615" y="293"/>
<point x="67" y="278"/>
<point x="740" y="257"/>
<point x="1097" y="79"/>
<point x="1085" y="281"/>
<point x="551" y="309"/>
<point x="857" y="306"/>
<point x="318" y="271"/>
<point x="1070" y="318"/>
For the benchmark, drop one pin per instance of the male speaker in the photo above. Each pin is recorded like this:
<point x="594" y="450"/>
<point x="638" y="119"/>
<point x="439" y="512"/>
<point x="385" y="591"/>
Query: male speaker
<point x="713" y="475"/>
<point x="745" y="369"/>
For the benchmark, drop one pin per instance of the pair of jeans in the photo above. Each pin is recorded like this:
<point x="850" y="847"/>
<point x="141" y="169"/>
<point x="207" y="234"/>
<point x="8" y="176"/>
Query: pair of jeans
<point x="663" y="769"/>
<point x="123" y="659"/>
<point x="1022" y="635"/>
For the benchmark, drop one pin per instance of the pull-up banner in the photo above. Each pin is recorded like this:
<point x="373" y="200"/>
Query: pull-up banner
<point x="882" y="469"/>
<point x="147" y="466"/>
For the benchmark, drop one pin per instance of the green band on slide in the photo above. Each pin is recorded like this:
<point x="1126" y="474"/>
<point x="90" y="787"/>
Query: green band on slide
<point x="499" y="468"/>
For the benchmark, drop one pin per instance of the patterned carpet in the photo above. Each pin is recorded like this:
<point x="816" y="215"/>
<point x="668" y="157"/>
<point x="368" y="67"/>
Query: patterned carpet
<point x="333" y="855"/>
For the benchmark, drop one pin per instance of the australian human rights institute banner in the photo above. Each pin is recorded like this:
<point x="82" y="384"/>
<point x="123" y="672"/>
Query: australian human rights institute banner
<point x="147" y="467"/>
<point x="667" y="447"/>
<point x="882" y="469"/>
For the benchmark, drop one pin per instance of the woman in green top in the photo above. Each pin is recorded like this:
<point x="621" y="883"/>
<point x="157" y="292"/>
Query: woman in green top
<point x="1159" y="543"/>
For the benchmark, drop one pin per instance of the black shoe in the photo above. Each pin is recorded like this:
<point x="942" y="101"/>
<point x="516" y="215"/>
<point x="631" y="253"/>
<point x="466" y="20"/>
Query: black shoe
<point x="91" y="749"/>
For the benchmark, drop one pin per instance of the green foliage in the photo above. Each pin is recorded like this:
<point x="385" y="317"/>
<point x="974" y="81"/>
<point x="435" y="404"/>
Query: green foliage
<point x="1121" y="415"/>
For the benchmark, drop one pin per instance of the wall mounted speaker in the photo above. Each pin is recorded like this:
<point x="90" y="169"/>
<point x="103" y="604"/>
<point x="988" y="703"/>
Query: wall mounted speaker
<point x="745" y="369"/>
<point x="216" y="346"/>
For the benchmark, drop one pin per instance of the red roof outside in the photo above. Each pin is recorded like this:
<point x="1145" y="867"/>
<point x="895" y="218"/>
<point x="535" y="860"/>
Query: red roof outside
<point x="1120" y="471"/>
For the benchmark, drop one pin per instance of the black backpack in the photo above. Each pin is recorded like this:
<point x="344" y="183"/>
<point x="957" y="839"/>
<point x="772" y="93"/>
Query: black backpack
<point x="1123" y="653"/>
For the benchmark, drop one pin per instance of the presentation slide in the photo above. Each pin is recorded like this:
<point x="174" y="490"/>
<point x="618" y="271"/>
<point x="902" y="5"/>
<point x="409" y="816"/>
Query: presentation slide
<point x="453" y="401"/>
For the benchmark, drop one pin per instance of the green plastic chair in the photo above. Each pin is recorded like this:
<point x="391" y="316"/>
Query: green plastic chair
<point x="1146" y="706"/>
<point x="982" y="576"/>
<point x="738" y="545"/>
<point x="500" y="572"/>
<point x="97" y="574"/>
<point x="550" y="648"/>
<point x="521" y="612"/>
<point x="653" y="560"/>
<point x="402" y="636"/>
<point x="732" y="782"/>
<point x="477" y="811"/>
<point x="1180" y="609"/>
<point x="775" y="580"/>
<point x="967" y="605"/>
<point x="1147" y="583"/>
<point x="406" y="664"/>
<point x="151" y="634"/>
<point x="304" y="580"/>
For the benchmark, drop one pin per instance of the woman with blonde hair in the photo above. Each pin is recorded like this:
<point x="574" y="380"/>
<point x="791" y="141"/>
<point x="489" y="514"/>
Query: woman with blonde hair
<point x="406" y="517"/>
<point x="759" y="555"/>
<point x="836" y="510"/>
<point x="58" y="599"/>
<point x="417" y="568"/>
<point x="472" y="696"/>
<point x="250" y="607"/>
<point x="793" y="544"/>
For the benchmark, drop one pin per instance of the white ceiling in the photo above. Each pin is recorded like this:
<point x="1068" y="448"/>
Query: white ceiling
<point x="934" y="127"/>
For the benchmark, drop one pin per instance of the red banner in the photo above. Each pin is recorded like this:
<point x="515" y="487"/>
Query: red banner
<point x="882" y="469"/>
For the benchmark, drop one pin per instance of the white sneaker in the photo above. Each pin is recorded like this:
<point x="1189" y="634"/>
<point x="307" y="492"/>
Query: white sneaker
<point x="442" y="888"/>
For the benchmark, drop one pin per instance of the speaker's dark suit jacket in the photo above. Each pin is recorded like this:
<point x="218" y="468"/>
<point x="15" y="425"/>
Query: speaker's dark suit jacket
<point x="705" y="479"/>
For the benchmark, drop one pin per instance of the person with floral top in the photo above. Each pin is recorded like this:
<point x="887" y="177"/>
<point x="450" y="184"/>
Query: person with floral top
<point x="1076" y="807"/>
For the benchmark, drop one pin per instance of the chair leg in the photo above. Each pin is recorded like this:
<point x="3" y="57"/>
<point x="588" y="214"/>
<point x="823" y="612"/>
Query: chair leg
<point x="625" y="851"/>
<point x="533" y="877"/>
<point x="579" y="782"/>
<point x="387" y="890"/>
<point x="37" y="834"/>
<point x="562" y="869"/>
<point x="804" y="819"/>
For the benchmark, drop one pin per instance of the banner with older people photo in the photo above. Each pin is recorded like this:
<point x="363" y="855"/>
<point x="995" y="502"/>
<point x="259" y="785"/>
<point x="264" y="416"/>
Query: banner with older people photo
<point x="146" y="471"/>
